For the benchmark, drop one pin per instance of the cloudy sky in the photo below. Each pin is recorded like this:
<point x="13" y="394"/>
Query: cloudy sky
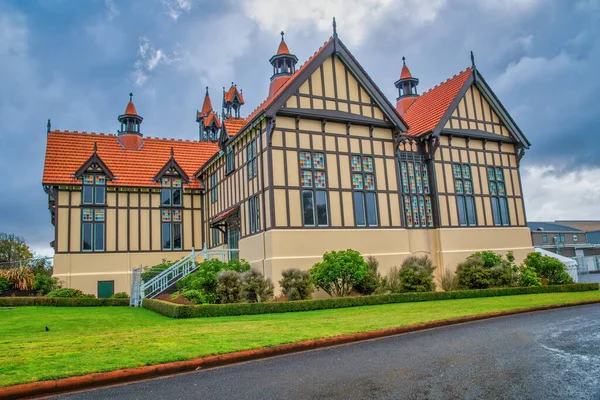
<point x="75" y="62"/>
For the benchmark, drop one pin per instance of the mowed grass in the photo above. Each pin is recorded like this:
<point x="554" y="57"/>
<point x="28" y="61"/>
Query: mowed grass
<point x="96" y="339"/>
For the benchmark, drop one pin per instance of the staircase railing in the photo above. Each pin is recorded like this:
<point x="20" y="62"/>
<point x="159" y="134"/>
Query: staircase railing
<point x="165" y="279"/>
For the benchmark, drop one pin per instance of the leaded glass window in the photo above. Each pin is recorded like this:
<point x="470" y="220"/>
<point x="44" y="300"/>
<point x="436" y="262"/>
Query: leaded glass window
<point x="214" y="194"/>
<point x="254" y="214"/>
<point x="498" y="196"/>
<point x="251" y="155"/>
<point x="171" y="192"/>
<point x="365" y="198"/>
<point x="463" y="187"/>
<point x="171" y="231"/>
<point x="93" y="189"/>
<point x="312" y="178"/>
<point x="92" y="229"/>
<point x="229" y="161"/>
<point x="414" y="180"/>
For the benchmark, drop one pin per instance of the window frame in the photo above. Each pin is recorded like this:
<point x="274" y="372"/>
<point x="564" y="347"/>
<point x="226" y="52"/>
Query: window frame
<point x="229" y="161"/>
<point x="172" y="224"/>
<point x="94" y="187"/>
<point x="359" y="170"/>
<point x="170" y="189"/>
<point x="214" y="194"/>
<point x="498" y="200"/>
<point x="465" y="202"/>
<point x="252" y="157"/>
<point x="308" y="183"/>
<point x="97" y="220"/>
<point x="253" y="214"/>
<point x="544" y="237"/>
<point x="417" y="202"/>
<point x="215" y="237"/>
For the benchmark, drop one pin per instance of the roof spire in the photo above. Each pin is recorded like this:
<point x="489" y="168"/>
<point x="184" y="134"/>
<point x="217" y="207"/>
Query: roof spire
<point x="403" y="60"/>
<point x="472" y="60"/>
<point x="48" y="126"/>
<point x="95" y="147"/>
<point x="334" y="28"/>
<point x="282" y="36"/>
<point x="130" y="96"/>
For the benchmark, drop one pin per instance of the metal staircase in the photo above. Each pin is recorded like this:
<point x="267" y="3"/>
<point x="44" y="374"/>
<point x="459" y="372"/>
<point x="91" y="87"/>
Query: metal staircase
<point x="161" y="282"/>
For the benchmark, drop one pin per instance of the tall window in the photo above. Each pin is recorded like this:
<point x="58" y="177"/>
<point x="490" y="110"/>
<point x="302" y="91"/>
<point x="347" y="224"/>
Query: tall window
<point x="416" y="198"/>
<point x="170" y="193"/>
<point x="229" y="163"/>
<point x="214" y="195"/>
<point x="215" y="237"/>
<point x="498" y="196"/>
<point x="314" y="183"/>
<point x="575" y="238"/>
<point x="254" y="214"/>
<point x="92" y="229"/>
<point x="463" y="187"/>
<point x="251" y="155"/>
<point x="94" y="189"/>
<point x="171" y="229"/>
<point x="363" y="184"/>
<point x="544" y="238"/>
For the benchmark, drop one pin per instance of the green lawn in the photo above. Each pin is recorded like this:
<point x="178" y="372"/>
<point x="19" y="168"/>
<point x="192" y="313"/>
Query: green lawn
<point x="94" y="339"/>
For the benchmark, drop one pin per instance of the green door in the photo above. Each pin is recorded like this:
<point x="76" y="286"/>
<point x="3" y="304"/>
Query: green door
<point x="106" y="289"/>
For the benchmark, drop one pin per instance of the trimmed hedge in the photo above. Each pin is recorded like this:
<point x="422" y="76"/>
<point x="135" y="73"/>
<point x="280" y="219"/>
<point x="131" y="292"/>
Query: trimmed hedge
<point x="218" y="310"/>
<point x="60" y="302"/>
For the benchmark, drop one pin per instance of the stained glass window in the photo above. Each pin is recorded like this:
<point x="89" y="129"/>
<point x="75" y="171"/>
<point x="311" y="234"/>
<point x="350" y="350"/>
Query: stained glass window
<point x="411" y="177"/>
<point x="367" y="164"/>
<point x="463" y="187"/>
<point x="87" y="214"/>
<point x="100" y="179"/>
<point x="176" y="215"/>
<point x="425" y="175"/>
<point x="369" y="181"/>
<point x="319" y="160"/>
<point x="93" y="190"/>
<point x="355" y="163"/>
<point x="320" y="181"/>
<point x="422" y="211"/>
<point x="428" y="211"/>
<point x="166" y="215"/>
<point x="408" y="212"/>
<point x="404" y="174"/>
<point x="357" y="181"/>
<point x="99" y="214"/>
<point x="306" y="179"/>
<point x="418" y="178"/>
<point x="92" y="229"/>
<point x="314" y="202"/>
<point x="176" y="182"/>
<point x="88" y="179"/>
<point x="498" y="196"/>
<point x="165" y="182"/>
<point x="415" y="209"/>
<point x="305" y="159"/>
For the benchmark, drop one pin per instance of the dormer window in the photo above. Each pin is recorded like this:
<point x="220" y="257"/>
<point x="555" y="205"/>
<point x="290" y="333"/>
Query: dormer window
<point x="170" y="192"/>
<point x="94" y="189"/>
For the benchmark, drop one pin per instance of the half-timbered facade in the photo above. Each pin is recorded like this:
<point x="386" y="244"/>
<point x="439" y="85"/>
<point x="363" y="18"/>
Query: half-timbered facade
<point x="326" y="162"/>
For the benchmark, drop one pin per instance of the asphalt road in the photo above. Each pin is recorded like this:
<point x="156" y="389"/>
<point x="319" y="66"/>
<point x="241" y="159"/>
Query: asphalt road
<point x="544" y="355"/>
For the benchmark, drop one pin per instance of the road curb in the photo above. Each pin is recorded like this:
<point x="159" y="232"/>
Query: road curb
<point x="100" y="379"/>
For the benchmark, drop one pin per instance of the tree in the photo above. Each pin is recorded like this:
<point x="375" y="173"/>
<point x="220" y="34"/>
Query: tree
<point x="549" y="269"/>
<point x="339" y="272"/>
<point x="13" y="250"/>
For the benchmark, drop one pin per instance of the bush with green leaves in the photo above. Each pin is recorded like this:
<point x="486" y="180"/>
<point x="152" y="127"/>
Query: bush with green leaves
<point x="44" y="284"/>
<point x="229" y="287"/>
<point x="204" y="279"/>
<point x="120" y="295"/>
<point x="339" y="272"/>
<point x="256" y="288"/>
<point x="549" y="269"/>
<point x="371" y="282"/>
<point x="416" y="274"/>
<point x="150" y="272"/>
<point x="4" y="284"/>
<point x="528" y="277"/>
<point x="390" y="283"/>
<point x="296" y="284"/>
<point x="70" y="293"/>
<point x="195" y="296"/>
<point x="487" y="269"/>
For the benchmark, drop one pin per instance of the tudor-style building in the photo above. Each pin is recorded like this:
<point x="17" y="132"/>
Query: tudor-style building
<point x="326" y="162"/>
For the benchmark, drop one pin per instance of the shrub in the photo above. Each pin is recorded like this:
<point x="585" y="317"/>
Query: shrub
<point x="296" y="284"/>
<point x="69" y="293"/>
<point x="486" y="269"/>
<point x="14" y="301"/>
<point x="195" y="296"/>
<point x="256" y="288"/>
<point x="449" y="281"/>
<point x="4" y="284"/>
<point x="218" y="310"/>
<point x="372" y="279"/>
<point x="528" y="277"/>
<point x="44" y="284"/>
<point x="391" y="282"/>
<point x="339" y="272"/>
<point x="21" y="278"/>
<point x="120" y="295"/>
<point x="151" y="272"/>
<point x="229" y="287"/>
<point x="551" y="270"/>
<point x="204" y="279"/>
<point x="416" y="274"/>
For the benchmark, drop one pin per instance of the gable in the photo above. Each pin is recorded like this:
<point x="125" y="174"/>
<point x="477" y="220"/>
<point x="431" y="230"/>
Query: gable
<point x="332" y="86"/>
<point x="474" y="112"/>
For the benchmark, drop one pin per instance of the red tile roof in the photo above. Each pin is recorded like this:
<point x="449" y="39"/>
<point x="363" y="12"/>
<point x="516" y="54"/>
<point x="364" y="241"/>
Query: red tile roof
<point x="231" y="92"/>
<point x="207" y="105"/>
<point x="427" y="111"/>
<point x="67" y="151"/>
<point x="283" y="49"/>
<point x="130" y="110"/>
<point x="212" y="117"/>
<point x="233" y="125"/>
<point x="405" y="73"/>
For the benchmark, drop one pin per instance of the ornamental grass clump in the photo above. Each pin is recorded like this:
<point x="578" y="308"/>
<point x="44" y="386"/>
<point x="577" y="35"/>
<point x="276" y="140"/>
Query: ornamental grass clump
<point x="20" y="278"/>
<point x="339" y="272"/>
<point x="229" y="287"/>
<point x="256" y="288"/>
<point x="416" y="275"/>
<point x="371" y="282"/>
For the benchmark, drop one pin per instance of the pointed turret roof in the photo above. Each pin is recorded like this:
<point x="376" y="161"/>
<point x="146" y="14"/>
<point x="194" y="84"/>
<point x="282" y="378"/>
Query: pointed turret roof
<point x="130" y="110"/>
<point x="207" y="105"/>
<point x="283" y="49"/>
<point x="405" y="73"/>
<point x="232" y="92"/>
